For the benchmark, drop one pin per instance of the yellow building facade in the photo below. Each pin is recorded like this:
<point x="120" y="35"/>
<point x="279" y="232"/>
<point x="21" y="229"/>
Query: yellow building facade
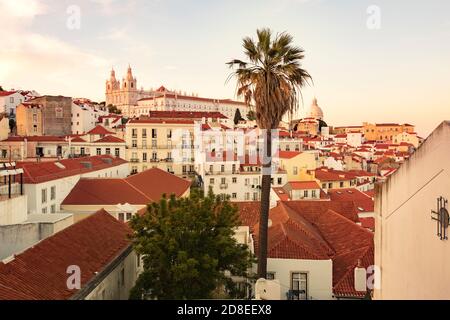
<point x="385" y="131"/>
<point x="29" y="120"/>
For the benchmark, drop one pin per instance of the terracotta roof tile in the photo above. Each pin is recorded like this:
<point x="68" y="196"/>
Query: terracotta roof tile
<point x="110" y="139"/>
<point x="38" y="172"/>
<point x="39" y="273"/>
<point x="99" y="130"/>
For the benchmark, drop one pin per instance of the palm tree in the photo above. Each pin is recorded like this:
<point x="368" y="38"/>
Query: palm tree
<point x="270" y="81"/>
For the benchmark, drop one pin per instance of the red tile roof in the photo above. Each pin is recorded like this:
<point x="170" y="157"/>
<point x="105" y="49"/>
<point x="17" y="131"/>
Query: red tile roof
<point x="35" y="138"/>
<point x="39" y="172"/>
<point x="139" y="189"/>
<point x="325" y="174"/>
<point x="368" y="223"/>
<point x="162" y="121"/>
<point x="297" y="234"/>
<point x="186" y="115"/>
<point x="282" y="194"/>
<point x="105" y="191"/>
<point x="39" y="273"/>
<point x="303" y="185"/>
<point x="155" y="182"/>
<point x="288" y="154"/>
<point x="77" y="139"/>
<point x="110" y="139"/>
<point x="6" y="93"/>
<point x="362" y="201"/>
<point x="100" y="130"/>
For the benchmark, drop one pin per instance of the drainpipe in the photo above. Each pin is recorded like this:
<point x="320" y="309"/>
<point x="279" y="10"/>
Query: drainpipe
<point x="9" y="186"/>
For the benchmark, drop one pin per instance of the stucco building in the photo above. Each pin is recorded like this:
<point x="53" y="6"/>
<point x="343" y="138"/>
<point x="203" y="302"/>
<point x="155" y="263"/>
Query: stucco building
<point x="411" y="230"/>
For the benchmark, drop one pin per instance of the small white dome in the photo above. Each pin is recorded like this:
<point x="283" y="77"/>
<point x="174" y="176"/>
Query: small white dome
<point x="315" y="111"/>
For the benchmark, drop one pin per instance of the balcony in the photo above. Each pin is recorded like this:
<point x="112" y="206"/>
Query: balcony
<point x="154" y="160"/>
<point x="223" y="185"/>
<point x="223" y="173"/>
<point x="134" y="160"/>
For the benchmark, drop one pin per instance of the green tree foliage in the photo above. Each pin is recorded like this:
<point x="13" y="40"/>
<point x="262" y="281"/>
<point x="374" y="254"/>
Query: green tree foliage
<point x="187" y="245"/>
<point x="113" y="109"/>
<point x="251" y="115"/>
<point x="237" y="116"/>
<point x="12" y="124"/>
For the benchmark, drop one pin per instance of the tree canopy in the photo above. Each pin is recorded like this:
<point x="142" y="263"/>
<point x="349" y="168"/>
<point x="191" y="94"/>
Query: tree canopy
<point x="237" y="116"/>
<point x="251" y="115"/>
<point x="187" y="245"/>
<point x="113" y="109"/>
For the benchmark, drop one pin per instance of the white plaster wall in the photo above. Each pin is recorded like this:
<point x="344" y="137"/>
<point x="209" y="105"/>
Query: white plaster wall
<point x="111" y="288"/>
<point x="413" y="260"/>
<point x="320" y="275"/>
<point x="13" y="210"/>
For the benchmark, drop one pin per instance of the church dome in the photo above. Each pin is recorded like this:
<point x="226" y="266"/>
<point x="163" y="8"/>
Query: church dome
<point x="315" y="111"/>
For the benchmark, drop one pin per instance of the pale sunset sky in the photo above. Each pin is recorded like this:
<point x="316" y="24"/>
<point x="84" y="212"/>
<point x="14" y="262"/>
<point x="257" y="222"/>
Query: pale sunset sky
<point x="399" y="72"/>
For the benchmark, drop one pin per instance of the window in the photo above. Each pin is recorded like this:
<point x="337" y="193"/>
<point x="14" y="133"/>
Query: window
<point x="234" y="180"/>
<point x="280" y="181"/>
<point x="222" y="168"/>
<point x="223" y="181"/>
<point x="314" y="193"/>
<point x="154" y="134"/>
<point x="99" y="151"/>
<point x="144" y="144"/>
<point x="134" y="143"/>
<point x="117" y="152"/>
<point x="44" y="195"/>
<point x="341" y="184"/>
<point x="270" y="276"/>
<point x="211" y="181"/>
<point x="121" y="216"/>
<point x="59" y="112"/>
<point x="324" y="185"/>
<point x="11" y="100"/>
<point x="154" y="143"/>
<point x="272" y="180"/>
<point x="295" y="170"/>
<point x="128" y="216"/>
<point x="247" y="196"/>
<point x="34" y="117"/>
<point x="234" y="195"/>
<point x="169" y="134"/>
<point x="138" y="260"/>
<point x="108" y="151"/>
<point x="305" y="193"/>
<point x="234" y="168"/>
<point x="44" y="210"/>
<point x="134" y="133"/>
<point x="144" y="133"/>
<point x="154" y="156"/>
<point x="34" y="128"/>
<point x="299" y="285"/>
<point x="53" y="193"/>
<point x="53" y="209"/>
<point x="144" y="156"/>
<point x="330" y="185"/>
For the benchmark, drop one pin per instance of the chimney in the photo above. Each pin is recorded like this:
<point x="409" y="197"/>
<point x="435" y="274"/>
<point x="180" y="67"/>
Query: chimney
<point x="360" y="275"/>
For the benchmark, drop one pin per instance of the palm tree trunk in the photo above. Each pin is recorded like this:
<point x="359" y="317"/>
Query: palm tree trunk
<point x="265" y="205"/>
